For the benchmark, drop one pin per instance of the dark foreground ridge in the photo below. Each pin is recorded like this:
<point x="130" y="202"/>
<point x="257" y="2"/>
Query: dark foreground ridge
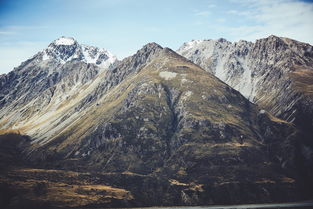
<point x="302" y="205"/>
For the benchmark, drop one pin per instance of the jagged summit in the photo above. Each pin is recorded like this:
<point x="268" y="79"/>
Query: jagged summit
<point x="222" y="40"/>
<point x="236" y="63"/>
<point x="66" y="49"/>
<point x="148" y="49"/>
<point x="62" y="67"/>
<point x="276" y="38"/>
<point x="193" y="43"/>
<point x="142" y="56"/>
<point x="65" y="41"/>
<point x="152" y="45"/>
<point x="269" y="72"/>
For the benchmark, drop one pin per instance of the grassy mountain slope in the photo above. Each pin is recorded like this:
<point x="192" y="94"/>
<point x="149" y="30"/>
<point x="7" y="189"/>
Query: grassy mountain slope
<point x="165" y="132"/>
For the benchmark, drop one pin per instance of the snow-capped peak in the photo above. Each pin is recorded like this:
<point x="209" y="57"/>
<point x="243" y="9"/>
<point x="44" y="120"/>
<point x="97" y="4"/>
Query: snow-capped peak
<point x="66" y="49"/>
<point x="97" y="56"/>
<point x="64" y="41"/>
<point x="190" y="44"/>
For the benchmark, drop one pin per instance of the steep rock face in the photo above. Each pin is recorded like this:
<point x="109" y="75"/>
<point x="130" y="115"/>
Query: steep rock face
<point x="66" y="49"/>
<point x="45" y="86"/>
<point x="45" y="105"/>
<point x="129" y="65"/>
<point x="275" y="73"/>
<point x="254" y="69"/>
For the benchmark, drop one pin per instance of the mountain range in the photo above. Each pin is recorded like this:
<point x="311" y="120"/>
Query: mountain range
<point x="213" y="123"/>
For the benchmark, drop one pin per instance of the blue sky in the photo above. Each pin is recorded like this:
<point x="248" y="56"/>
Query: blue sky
<point x="124" y="26"/>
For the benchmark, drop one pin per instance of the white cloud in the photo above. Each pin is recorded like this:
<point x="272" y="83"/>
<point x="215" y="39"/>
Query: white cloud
<point x="239" y="13"/>
<point x="23" y="27"/>
<point x="221" y="20"/>
<point x="202" y="13"/>
<point x="282" y="18"/>
<point x="235" y="12"/>
<point x="6" y="32"/>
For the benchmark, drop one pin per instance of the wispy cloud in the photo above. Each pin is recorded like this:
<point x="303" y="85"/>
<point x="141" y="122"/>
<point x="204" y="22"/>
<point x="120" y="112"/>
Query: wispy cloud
<point x="283" y="18"/>
<point x="202" y="13"/>
<point x="25" y="27"/>
<point x="19" y="29"/>
<point x="221" y="20"/>
<point x="7" y="33"/>
<point x="239" y="13"/>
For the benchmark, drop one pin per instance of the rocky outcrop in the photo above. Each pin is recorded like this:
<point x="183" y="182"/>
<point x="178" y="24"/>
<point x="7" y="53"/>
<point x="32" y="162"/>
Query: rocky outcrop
<point x="274" y="73"/>
<point x="260" y="71"/>
<point x="49" y="82"/>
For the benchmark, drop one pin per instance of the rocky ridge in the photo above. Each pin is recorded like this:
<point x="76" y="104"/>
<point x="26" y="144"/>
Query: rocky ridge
<point x="45" y="86"/>
<point x="274" y="73"/>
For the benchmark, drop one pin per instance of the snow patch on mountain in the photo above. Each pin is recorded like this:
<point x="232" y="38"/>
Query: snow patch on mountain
<point x="45" y="56"/>
<point x="191" y="44"/>
<point x="97" y="56"/>
<point x="67" y="49"/>
<point x="64" y="41"/>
